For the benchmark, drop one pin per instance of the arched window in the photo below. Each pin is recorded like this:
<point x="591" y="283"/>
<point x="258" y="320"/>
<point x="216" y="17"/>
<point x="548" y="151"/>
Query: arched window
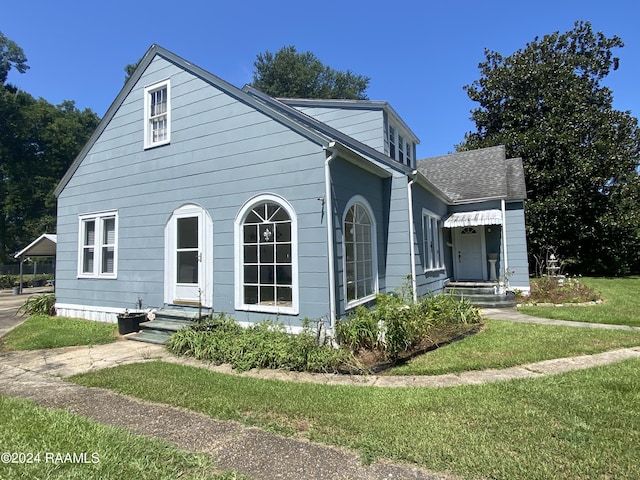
<point x="266" y="273"/>
<point x="360" y="255"/>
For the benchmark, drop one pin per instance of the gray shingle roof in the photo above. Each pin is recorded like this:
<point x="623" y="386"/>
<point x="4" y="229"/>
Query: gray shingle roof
<point x="476" y="174"/>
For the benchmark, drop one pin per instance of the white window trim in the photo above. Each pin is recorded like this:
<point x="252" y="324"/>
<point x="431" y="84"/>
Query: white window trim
<point x="148" y="143"/>
<point x="374" y="253"/>
<point x="439" y="265"/>
<point x="97" y="249"/>
<point x="239" y="257"/>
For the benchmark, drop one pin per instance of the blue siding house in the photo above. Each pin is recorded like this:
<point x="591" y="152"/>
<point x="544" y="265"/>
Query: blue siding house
<point x="194" y="192"/>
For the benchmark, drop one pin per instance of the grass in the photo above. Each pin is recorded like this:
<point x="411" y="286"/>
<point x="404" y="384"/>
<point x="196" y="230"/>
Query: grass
<point x="43" y="331"/>
<point x="505" y="344"/>
<point x="583" y="424"/>
<point x="621" y="306"/>
<point x="111" y="453"/>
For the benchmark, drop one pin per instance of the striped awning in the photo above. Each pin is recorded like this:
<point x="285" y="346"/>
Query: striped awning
<point x="475" y="218"/>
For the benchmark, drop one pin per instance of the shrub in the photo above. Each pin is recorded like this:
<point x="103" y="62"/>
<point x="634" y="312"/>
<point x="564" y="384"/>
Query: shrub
<point x="395" y="326"/>
<point x="39" y="304"/>
<point x="548" y="290"/>
<point x="264" y="345"/>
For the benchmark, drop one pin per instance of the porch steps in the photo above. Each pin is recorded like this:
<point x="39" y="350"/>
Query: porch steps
<point x="167" y="322"/>
<point x="481" y="294"/>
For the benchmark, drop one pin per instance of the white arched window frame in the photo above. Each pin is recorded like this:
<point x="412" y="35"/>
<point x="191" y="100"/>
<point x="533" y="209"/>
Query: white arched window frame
<point x="360" y="252"/>
<point x="266" y="256"/>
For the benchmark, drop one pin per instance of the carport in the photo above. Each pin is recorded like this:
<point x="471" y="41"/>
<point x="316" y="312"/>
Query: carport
<point x="43" y="246"/>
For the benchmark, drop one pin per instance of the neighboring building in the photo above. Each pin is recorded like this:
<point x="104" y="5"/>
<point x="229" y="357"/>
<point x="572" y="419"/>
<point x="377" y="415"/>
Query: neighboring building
<point x="192" y="191"/>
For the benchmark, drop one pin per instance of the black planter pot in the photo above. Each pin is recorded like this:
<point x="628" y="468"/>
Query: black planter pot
<point x="130" y="323"/>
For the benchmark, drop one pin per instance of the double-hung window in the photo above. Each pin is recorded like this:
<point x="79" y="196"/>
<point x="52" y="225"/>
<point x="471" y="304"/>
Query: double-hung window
<point x="157" y="114"/>
<point x="98" y="252"/>
<point x="360" y="255"/>
<point x="432" y="241"/>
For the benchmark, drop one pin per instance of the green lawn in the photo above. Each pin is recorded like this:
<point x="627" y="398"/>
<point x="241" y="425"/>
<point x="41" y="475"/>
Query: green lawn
<point x="111" y="453"/>
<point x="578" y="425"/>
<point x="505" y="344"/>
<point x="621" y="306"/>
<point x="43" y="331"/>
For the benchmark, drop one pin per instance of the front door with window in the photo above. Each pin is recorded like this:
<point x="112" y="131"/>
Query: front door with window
<point x="187" y="267"/>
<point x="469" y="255"/>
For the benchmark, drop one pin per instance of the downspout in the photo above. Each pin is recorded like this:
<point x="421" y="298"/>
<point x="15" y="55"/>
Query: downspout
<point x="412" y="246"/>
<point x="330" y="236"/>
<point x="505" y="264"/>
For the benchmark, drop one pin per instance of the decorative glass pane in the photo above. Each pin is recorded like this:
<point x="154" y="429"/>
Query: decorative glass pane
<point x="267" y="233"/>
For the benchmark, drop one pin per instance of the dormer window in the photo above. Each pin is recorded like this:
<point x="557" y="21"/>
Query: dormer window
<point x="157" y="108"/>
<point x="399" y="148"/>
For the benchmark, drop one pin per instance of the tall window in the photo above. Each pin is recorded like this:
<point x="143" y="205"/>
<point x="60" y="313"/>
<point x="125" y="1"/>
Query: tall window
<point x="432" y="241"/>
<point x="157" y="114"/>
<point x="97" y="256"/>
<point x="360" y="253"/>
<point x="267" y="270"/>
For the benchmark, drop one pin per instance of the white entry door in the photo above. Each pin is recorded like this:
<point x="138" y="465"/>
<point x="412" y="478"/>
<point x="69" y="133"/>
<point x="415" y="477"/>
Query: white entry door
<point x="188" y="273"/>
<point x="469" y="255"/>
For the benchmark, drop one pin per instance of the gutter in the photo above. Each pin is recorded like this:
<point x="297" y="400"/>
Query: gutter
<point x="412" y="246"/>
<point x="330" y="236"/>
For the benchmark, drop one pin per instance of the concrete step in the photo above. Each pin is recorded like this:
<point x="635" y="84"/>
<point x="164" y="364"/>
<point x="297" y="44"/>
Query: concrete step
<point x="470" y="290"/>
<point x="168" y="321"/>
<point x="151" y="336"/>
<point x="165" y="325"/>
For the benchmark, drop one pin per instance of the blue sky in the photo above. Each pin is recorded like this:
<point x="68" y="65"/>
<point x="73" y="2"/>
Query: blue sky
<point x="418" y="53"/>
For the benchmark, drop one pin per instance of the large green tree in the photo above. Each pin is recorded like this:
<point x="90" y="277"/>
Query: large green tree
<point x="290" y="74"/>
<point x="38" y="142"/>
<point x="547" y="104"/>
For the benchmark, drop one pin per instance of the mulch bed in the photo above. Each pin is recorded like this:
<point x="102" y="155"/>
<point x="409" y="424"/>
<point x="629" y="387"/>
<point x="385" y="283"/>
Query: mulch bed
<point x="374" y="361"/>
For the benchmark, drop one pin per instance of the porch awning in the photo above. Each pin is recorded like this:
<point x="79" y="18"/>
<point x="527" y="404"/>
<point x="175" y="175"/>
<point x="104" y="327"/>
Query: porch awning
<point x="475" y="218"/>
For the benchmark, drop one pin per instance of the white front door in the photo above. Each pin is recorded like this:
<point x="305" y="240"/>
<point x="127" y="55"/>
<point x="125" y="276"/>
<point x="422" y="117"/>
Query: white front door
<point x="469" y="254"/>
<point x="188" y="273"/>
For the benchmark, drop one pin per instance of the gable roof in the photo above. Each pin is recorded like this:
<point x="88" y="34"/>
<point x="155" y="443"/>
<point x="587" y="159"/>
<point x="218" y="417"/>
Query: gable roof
<point x="303" y="124"/>
<point x="475" y="175"/>
<point x="214" y="80"/>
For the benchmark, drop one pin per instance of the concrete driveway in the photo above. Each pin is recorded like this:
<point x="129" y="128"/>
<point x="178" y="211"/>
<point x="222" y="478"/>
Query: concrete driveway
<point x="10" y="303"/>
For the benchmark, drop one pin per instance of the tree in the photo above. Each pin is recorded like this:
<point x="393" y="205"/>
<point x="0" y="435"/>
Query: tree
<point x="546" y="104"/>
<point x="11" y="55"/>
<point x="290" y="74"/>
<point x="38" y="142"/>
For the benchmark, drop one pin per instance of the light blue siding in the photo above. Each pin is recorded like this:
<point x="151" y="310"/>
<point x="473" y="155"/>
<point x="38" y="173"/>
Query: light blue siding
<point x="366" y="126"/>
<point x="222" y="153"/>
<point x="517" y="246"/>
